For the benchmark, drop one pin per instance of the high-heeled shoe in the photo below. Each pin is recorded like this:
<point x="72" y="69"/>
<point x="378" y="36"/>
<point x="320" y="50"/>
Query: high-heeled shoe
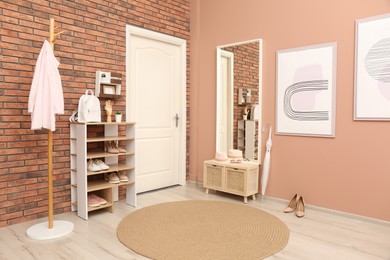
<point x="110" y="148"/>
<point x="116" y="146"/>
<point x="300" y="212"/>
<point x="292" y="205"/>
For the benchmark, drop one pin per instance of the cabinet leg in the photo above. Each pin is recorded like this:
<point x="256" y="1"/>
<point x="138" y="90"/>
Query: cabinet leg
<point x="254" y="196"/>
<point x="245" y="200"/>
<point x="207" y="190"/>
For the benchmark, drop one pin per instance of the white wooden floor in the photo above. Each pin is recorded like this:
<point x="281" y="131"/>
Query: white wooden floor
<point x="319" y="235"/>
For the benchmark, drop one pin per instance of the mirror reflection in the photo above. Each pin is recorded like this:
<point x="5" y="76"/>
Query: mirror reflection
<point x="238" y="96"/>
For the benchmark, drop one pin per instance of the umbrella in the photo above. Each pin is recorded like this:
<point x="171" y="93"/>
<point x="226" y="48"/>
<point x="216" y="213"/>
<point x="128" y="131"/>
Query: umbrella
<point x="267" y="159"/>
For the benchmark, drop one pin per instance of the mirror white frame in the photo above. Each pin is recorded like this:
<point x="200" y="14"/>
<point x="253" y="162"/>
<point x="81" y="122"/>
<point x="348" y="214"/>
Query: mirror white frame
<point x="222" y="53"/>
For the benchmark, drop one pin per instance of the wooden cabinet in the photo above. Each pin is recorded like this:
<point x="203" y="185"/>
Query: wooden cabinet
<point x="88" y="145"/>
<point x="236" y="178"/>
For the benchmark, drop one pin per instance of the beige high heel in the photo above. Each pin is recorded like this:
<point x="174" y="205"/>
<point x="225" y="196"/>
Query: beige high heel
<point x="116" y="146"/>
<point x="300" y="208"/>
<point x="110" y="148"/>
<point x="292" y="205"/>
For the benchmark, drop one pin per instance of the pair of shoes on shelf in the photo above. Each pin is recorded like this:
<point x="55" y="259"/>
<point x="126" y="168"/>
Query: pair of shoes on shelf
<point x="113" y="147"/>
<point x="97" y="165"/>
<point x="95" y="201"/>
<point x="123" y="176"/>
<point x="296" y="204"/>
<point x="115" y="178"/>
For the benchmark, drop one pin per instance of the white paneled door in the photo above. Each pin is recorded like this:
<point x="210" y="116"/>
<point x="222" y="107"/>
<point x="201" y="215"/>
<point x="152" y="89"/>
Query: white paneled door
<point x="155" y="90"/>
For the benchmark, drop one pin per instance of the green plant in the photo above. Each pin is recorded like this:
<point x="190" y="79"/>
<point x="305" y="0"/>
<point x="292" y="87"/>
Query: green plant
<point x="118" y="113"/>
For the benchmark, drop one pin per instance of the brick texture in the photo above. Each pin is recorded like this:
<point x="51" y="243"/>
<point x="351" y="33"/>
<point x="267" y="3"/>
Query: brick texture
<point x="94" y="40"/>
<point x="246" y="75"/>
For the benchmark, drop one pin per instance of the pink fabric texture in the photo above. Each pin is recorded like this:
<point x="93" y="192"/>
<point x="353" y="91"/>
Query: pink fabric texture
<point x="46" y="98"/>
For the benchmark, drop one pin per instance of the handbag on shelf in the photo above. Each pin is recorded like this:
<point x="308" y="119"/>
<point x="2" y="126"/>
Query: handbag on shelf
<point x="89" y="108"/>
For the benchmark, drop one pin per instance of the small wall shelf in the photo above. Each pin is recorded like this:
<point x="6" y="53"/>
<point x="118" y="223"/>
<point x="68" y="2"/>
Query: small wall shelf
<point x="108" y="84"/>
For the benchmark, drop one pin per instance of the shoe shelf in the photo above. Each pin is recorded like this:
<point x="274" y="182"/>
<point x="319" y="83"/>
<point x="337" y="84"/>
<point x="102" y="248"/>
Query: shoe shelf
<point x="104" y="206"/>
<point x="81" y="185"/>
<point x="102" y="184"/>
<point x="108" y="138"/>
<point x="100" y="154"/>
<point x="113" y="168"/>
<point x="107" y="205"/>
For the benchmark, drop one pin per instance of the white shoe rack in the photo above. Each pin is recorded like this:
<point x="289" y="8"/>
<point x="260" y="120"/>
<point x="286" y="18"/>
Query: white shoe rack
<point x="86" y="145"/>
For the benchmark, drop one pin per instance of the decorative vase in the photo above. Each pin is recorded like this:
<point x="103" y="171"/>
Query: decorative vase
<point x="245" y="117"/>
<point x="118" y="118"/>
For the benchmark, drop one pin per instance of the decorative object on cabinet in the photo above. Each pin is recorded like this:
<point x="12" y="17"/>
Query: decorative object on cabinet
<point x="118" y="117"/>
<point x="108" y="108"/>
<point x="245" y="114"/>
<point x="59" y="228"/>
<point x="108" y="84"/>
<point x="306" y="91"/>
<point x="241" y="179"/>
<point x="247" y="138"/>
<point x="372" y="62"/>
<point x="85" y="145"/>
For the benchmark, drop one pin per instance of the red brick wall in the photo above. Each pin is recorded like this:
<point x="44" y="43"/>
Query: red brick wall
<point x="94" y="40"/>
<point x="246" y="75"/>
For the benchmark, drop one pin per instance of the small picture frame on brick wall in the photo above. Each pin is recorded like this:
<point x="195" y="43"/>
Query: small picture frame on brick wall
<point x="108" y="89"/>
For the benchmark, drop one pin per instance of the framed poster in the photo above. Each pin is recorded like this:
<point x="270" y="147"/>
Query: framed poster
<point x="306" y="91"/>
<point x="372" y="69"/>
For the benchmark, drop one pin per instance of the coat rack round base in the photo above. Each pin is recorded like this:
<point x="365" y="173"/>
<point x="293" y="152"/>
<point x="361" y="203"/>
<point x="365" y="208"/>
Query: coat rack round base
<point x="41" y="231"/>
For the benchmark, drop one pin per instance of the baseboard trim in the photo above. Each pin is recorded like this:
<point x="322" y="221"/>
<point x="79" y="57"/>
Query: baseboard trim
<point x="330" y="211"/>
<point x="333" y="211"/>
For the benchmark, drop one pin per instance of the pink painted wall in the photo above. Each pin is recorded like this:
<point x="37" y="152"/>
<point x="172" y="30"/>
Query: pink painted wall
<point x="350" y="172"/>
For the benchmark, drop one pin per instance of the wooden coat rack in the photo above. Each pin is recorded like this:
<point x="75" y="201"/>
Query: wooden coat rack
<point x="42" y="231"/>
<point x="52" y="39"/>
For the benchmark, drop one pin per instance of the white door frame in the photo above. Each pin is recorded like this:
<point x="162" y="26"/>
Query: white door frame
<point x="130" y="105"/>
<point x="230" y="57"/>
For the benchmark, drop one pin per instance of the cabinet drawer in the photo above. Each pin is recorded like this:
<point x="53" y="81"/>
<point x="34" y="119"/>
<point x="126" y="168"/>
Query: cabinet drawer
<point x="235" y="180"/>
<point x="213" y="176"/>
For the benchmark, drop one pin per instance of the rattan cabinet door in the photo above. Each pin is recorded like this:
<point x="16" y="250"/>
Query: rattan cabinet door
<point x="213" y="176"/>
<point x="235" y="181"/>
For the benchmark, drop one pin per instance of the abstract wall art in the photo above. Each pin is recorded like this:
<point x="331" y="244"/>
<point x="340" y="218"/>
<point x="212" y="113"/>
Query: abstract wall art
<point x="306" y="91"/>
<point x="372" y="68"/>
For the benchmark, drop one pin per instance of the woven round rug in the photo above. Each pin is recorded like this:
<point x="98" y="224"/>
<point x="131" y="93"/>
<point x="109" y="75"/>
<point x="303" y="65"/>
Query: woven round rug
<point x="197" y="230"/>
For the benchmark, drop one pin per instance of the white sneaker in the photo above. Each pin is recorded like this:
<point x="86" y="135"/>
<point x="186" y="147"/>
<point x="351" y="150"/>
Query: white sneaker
<point x="102" y="165"/>
<point x="93" y="167"/>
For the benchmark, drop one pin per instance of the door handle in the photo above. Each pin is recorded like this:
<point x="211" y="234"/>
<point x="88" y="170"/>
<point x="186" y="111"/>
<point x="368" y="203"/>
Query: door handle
<point x="177" y="119"/>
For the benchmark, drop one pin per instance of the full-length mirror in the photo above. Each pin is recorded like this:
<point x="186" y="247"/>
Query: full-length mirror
<point x="239" y="98"/>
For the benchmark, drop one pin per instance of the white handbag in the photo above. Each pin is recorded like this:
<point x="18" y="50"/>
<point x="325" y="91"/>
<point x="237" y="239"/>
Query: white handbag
<point x="89" y="108"/>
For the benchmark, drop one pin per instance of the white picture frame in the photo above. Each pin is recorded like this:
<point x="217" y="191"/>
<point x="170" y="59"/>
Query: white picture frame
<point x="306" y="91"/>
<point x="372" y="69"/>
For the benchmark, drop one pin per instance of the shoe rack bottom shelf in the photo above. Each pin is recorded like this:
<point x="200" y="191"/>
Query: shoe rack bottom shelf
<point x="108" y="194"/>
<point x="107" y="205"/>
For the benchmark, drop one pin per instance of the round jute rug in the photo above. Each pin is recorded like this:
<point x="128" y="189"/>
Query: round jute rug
<point x="196" y="230"/>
